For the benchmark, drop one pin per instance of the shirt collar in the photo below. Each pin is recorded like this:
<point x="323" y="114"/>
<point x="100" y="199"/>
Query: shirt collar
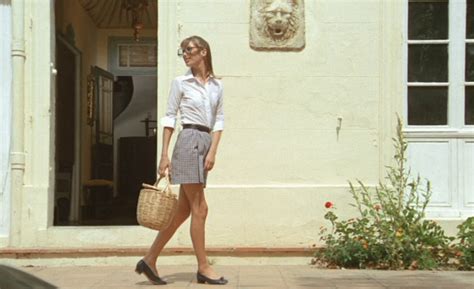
<point x="189" y="75"/>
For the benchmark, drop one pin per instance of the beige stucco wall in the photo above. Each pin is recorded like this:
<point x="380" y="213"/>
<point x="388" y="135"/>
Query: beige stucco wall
<point x="282" y="108"/>
<point x="280" y="157"/>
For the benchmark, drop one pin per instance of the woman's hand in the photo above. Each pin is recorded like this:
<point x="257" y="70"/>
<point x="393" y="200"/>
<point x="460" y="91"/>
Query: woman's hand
<point x="211" y="155"/>
<point x="210" y="160"/>
<point x="165" y="164"/>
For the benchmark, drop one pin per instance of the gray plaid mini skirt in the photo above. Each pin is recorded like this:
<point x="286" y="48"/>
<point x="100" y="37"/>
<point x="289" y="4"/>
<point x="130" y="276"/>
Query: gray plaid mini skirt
<point x="189" y="154"/>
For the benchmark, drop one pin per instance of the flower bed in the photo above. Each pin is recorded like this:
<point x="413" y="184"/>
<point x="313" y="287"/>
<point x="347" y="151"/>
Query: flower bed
<point x="391" y="231"/>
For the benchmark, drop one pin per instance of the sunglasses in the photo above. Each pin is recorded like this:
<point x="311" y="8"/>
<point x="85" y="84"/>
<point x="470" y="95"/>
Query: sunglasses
<point x="187" y="50"/>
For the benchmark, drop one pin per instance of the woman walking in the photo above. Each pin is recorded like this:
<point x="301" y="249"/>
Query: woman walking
<point x="198" y="97"/>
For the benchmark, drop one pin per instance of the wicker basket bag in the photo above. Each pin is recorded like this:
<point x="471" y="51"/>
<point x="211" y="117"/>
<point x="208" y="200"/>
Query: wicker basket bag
<point x="156" y="206"/>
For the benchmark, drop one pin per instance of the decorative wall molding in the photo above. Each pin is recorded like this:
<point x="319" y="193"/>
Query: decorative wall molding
<point x="283" y="186"/>
<point x="31" y="253"/>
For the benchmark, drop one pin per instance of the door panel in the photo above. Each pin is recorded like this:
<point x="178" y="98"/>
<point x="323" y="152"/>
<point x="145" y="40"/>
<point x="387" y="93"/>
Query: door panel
<point x="431" y="160"/>
<point x="102" y="147"/>
<point x="468" y="168"/>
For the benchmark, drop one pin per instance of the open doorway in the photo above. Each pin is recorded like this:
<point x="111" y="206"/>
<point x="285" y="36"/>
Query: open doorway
<point x="105" y="109"/>
<point x="67" y="132"/>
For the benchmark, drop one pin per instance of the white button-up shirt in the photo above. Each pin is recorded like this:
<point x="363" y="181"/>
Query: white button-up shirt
<point x="197" y="103"/>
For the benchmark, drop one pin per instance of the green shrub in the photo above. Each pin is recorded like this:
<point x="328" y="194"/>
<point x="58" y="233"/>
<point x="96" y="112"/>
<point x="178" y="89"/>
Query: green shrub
<point x="465" y="247"/>
<point x="391" y="231"/>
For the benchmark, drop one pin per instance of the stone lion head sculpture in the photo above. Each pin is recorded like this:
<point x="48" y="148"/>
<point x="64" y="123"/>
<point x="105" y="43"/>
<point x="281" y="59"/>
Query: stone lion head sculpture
<point x="278" y="19"/>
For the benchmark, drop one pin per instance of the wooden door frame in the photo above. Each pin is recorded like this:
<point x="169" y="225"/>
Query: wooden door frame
<point x="76" y="176"/>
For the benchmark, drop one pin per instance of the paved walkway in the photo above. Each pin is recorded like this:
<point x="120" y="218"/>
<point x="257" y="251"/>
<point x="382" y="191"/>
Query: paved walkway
<point x="254" y="277"/>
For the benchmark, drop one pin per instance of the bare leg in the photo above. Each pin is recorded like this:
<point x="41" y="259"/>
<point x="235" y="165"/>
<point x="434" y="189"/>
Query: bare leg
<point x="182" y="213"/>
<point x="198" y="205"/>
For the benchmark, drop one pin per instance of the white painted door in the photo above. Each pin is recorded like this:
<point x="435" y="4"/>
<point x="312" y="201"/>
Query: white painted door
<point x="439" y="102"/>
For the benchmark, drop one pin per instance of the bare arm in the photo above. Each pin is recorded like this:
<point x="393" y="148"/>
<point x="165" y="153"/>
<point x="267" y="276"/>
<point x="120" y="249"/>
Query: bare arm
<point x="169" y="122"/>
<point x="165" y="161"/>
<point x="211" y="155"/>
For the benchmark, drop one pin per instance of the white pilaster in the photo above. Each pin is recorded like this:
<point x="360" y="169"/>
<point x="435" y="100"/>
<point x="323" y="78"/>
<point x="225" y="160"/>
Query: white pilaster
<point x="5" y="114"/>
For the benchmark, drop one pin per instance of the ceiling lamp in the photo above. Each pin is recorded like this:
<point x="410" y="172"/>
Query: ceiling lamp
<point x="136" y="8"/>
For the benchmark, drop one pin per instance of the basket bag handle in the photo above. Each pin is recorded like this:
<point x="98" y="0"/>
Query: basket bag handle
<point x="160" y="179"/>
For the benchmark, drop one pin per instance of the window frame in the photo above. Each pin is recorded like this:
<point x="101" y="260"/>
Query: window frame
<point x="151" y="46"/>
<point x="457" y="135"/>
<point x="456" y="42"/>
<point x="113" y="56"/>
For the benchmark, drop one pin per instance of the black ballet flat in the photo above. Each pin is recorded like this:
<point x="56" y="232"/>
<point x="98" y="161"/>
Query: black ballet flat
<point x="203" y="279"/>
<point x="143" y="267"/>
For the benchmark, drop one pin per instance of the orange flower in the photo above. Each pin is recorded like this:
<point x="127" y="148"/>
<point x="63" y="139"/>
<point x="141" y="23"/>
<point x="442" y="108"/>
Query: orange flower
<point x="365" y="245"/>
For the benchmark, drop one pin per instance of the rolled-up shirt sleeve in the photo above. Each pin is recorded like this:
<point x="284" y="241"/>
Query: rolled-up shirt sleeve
<point x="169" y="120"/>
<point x="219" y="124"/>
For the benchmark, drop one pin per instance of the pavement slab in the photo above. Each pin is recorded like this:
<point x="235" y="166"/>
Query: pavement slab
<point x="252" y="277"/>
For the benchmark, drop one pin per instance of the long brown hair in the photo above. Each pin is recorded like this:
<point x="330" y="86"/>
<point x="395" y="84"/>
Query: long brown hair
<point x="201" y="43"/>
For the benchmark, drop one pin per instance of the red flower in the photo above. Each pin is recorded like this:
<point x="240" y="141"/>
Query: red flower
<point x="328" y="205"/>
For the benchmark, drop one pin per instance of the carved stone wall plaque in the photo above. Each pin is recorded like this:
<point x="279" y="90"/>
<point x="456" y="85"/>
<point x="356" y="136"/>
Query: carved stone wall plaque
<point x="277" y="25"/>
